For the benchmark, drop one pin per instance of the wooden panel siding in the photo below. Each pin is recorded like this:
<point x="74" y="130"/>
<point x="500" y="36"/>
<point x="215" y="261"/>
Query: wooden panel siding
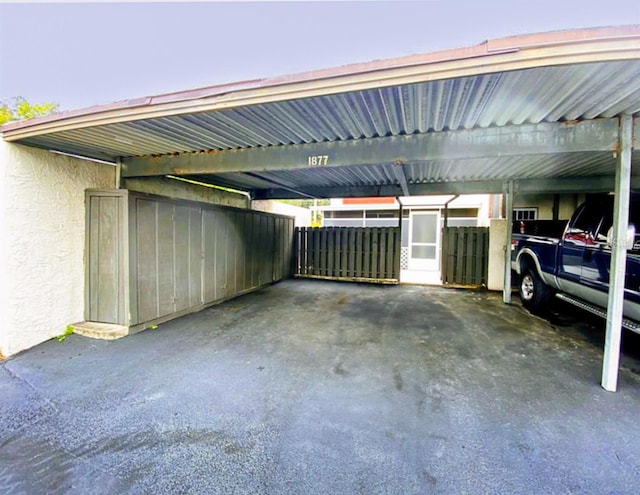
<point x="152" y="258"/>
<point x="105" y="302"/>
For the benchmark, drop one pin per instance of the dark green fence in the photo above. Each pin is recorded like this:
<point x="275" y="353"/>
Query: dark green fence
<point x="359" y="254"/>
<point x="465" y="255"/>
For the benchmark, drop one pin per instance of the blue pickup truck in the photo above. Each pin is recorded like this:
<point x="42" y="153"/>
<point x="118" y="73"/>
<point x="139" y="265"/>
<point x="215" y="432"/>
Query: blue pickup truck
<point x="572" y="263"/>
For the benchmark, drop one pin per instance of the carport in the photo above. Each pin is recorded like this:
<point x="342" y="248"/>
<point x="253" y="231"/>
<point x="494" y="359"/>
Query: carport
<point x="551" y="112"/>
<point x="308" y="388"/>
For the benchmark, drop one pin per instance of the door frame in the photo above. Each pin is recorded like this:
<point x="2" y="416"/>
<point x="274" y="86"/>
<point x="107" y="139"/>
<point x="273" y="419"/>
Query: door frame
<point x="420" y="264"/>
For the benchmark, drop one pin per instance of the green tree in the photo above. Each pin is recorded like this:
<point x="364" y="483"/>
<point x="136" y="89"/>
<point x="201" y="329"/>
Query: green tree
<point x="20" y="109"/>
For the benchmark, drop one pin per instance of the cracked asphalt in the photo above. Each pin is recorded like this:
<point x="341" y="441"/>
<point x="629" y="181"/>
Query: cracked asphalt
<point x="311" y="387"/>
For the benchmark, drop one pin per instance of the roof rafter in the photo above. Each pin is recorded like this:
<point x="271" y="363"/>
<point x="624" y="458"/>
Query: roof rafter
<point x="583" y="184"/>
<point x="532" y="139"/>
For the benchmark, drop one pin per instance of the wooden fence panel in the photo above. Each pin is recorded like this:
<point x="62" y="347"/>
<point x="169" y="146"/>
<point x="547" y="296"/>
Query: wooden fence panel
<point x="359" y="252"/>
<point x="344" y="253"/>
<point x="367" y="254"/>
<point x="382" y="269"/>
<point x="351" y="271"/>
<point x="465" y="255"/>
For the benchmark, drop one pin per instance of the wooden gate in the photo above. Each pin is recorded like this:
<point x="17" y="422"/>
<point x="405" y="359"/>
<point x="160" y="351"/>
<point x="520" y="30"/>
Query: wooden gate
<point x="357" y="254"/>
<point x="465" y="255"/>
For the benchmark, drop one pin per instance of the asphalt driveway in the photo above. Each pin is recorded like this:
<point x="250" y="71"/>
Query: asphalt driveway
<point x="312" y="387"/>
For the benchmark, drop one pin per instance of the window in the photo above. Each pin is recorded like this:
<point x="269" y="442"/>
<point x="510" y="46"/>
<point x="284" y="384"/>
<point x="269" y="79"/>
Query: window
<point x="602" y="229"/>
<point x="524" y="214"/>
<point x="588" y="220"/>
<point x="381" y="213"/>
<point x="343" y="214"/>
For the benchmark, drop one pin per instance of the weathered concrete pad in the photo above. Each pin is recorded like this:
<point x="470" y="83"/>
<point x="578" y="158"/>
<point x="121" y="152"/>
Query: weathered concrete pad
<point x="314" y="387"/>
<point x="95" y="330"/>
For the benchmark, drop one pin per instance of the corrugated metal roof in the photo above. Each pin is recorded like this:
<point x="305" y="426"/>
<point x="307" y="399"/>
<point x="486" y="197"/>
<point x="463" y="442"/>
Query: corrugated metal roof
<point x="552" y="92"/>
<point x="448" y="171"/>
<point x="546" y="94"/>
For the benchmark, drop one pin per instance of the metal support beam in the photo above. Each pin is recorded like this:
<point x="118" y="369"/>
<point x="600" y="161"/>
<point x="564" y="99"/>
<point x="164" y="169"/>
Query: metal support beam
<point x="508" y="196"/>
<point x="281" y="184"/>
<point x="491" y="142"/>
<point x="118" y="173"/>
<point x="398" y="170"/>
<point x="571" y="185"/>
<point x="399" y="246"/>
<point x="471" y="187"/>
<point x="446" y="210"/>
<point x="577" y="184"/>
<point x="613" y="337"/>
<point x="555" y="210"/>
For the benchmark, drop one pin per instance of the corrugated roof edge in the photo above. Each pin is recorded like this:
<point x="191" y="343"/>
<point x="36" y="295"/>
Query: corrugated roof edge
<point x="195" y="100"/>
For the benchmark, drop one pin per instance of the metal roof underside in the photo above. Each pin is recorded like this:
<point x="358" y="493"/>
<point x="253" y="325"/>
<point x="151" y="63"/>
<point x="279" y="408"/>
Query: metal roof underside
<point x="453" y="107"/>
<point x="433" y="172"/>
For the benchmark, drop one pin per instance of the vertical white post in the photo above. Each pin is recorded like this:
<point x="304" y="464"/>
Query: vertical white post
<point x="399" y="243"/>
<point x="118" y="173"/>
<point x="508" y="193"/>
<point x="314" y="219"/>
<point x="611" y="358"/>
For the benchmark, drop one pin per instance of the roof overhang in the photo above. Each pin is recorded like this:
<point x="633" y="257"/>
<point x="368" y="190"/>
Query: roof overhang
<point x="540" y="109"/>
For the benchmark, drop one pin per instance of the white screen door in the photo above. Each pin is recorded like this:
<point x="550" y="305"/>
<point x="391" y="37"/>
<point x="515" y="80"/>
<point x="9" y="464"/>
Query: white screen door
<point x="424" y="241"/>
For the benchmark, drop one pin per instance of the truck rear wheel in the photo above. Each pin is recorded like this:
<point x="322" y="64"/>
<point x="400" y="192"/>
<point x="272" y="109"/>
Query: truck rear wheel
<point x="534" y="293"/>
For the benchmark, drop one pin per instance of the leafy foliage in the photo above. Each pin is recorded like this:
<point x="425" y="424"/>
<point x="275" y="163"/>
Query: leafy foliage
<point x="20" y="109"/>
<point x="67" y="331"/>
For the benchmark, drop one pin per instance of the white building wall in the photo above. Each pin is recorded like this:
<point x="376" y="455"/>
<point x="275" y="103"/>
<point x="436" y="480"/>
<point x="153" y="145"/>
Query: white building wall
<point x="179" y="189"/>
<point x="42" y="231"/>
<point x="544" y="202"/>
<point x="302" y="215"/>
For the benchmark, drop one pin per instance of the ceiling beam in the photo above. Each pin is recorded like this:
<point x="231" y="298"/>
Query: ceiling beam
<point x="513" y="140"/>
<point x="570" y="185"/>
<point x="398" y="170"/>
<point x="281" y="184"/>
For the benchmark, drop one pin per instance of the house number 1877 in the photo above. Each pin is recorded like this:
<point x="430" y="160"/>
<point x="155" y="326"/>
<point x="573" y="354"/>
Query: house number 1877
<point x="318" y="160"/>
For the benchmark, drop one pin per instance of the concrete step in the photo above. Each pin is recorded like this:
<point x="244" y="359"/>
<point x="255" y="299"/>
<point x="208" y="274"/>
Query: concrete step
<point x="95" y="330"/>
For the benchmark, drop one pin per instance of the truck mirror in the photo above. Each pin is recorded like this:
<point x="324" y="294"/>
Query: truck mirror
<point x="629" y="239"/>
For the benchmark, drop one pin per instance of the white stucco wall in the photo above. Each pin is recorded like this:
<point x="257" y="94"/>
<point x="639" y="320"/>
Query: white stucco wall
<point x="178" y="189"/>
<point x="42" y="233"/>
<point x="302" y="215"/>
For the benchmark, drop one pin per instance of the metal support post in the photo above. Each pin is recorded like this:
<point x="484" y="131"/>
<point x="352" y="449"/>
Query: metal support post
<point x="118" y="173"/>
<point x="508" y="193"/>
<point x="446" y="210"/>
<point x="615" y="302"/>
<point x="399" y="242"/>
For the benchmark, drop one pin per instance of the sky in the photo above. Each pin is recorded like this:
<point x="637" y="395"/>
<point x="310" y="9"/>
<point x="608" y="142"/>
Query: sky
<point x="83" y="54"/>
